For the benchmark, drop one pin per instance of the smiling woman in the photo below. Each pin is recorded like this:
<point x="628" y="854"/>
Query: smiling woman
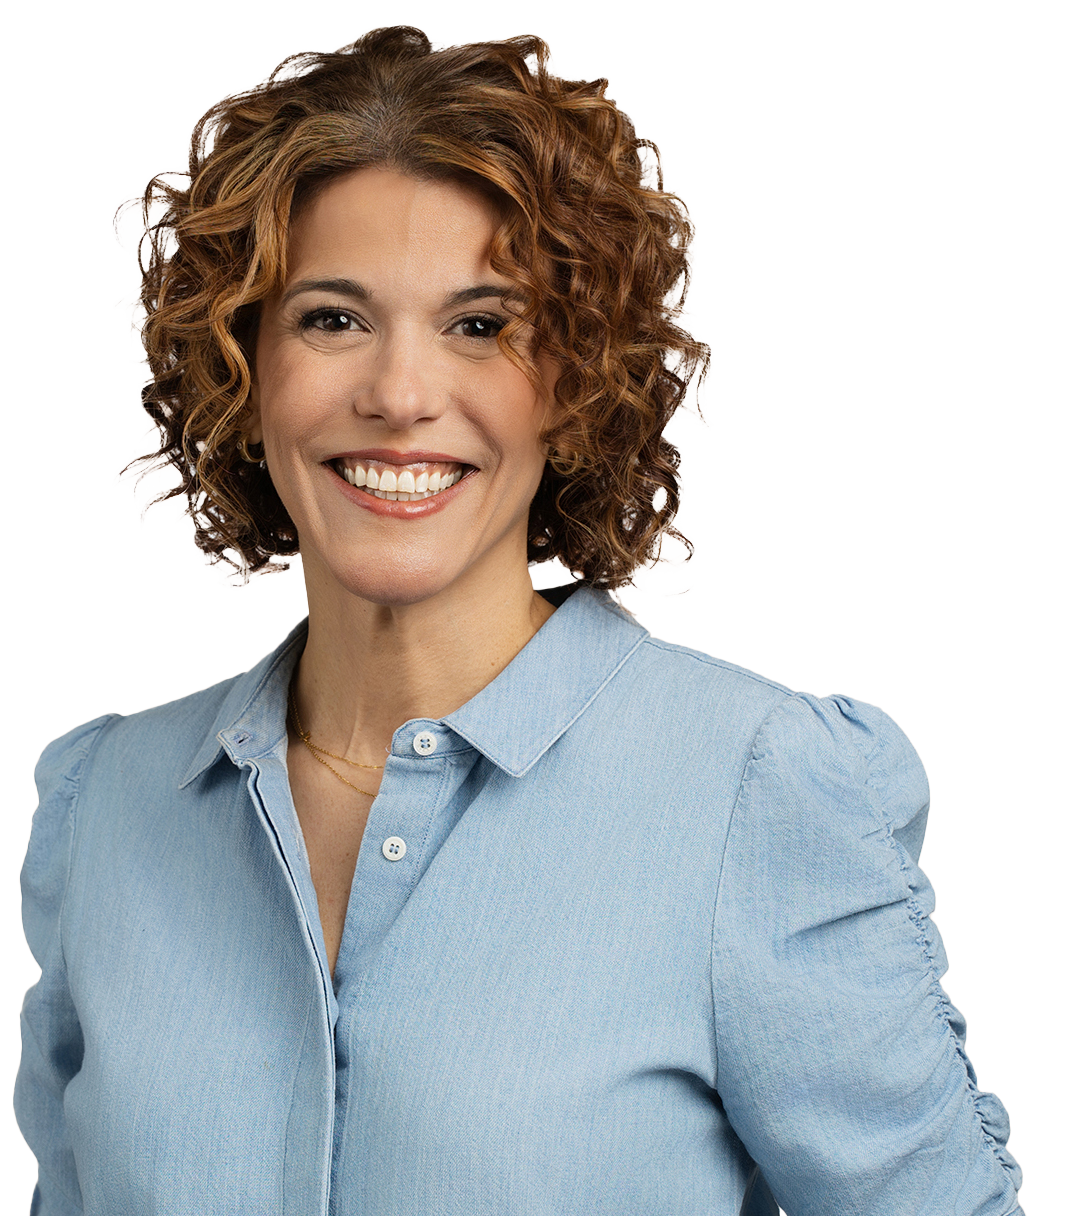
<point x="589" y="250"/>
<point x="469" y="898"/>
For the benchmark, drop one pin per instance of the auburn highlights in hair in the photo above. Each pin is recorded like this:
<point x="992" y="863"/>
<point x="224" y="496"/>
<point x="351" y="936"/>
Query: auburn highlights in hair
<point x="598" y="252"/>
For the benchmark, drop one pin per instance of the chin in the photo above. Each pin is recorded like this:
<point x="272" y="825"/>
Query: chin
<point x="417" y="569"/>
<point x="396" y="585"/>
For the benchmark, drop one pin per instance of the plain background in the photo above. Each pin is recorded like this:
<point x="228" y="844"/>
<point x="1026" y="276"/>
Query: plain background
<point x="876" y="491"/>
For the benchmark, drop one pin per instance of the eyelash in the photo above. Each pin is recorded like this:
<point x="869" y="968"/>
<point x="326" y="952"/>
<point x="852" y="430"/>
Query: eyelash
<point x="309" y="320"/>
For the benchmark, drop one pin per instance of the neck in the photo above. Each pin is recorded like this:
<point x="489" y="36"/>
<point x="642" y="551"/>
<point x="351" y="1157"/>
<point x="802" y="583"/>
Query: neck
<point x="368" y="668"/>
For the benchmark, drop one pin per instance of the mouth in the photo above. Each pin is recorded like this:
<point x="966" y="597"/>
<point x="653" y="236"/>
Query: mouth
<point x="397" y="482"/>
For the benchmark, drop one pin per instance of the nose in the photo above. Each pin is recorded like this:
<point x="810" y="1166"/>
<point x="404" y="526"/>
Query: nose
<point x="400" y="386"/>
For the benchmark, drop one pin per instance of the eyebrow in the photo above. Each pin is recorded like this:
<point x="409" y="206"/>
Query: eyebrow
<point x="357" y="291"/>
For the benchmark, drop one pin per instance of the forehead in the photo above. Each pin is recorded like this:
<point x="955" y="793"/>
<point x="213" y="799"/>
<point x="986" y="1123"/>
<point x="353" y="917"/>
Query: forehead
<point x="379" y="222"/>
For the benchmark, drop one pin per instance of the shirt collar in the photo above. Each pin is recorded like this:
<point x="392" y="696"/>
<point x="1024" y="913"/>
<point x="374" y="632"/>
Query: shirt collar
<point x="553" y="679"/>
<point x="512" y="721"/>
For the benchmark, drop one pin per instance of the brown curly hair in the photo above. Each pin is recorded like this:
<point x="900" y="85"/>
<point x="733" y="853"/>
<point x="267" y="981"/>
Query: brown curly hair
<point x="597" y="252"/>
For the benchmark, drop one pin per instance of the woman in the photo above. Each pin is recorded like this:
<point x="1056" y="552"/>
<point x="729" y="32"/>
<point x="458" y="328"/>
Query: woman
<point x="469" y="898"/>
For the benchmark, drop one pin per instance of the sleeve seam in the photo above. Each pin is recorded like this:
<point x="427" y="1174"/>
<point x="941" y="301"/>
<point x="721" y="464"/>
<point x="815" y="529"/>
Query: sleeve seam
<point x="74" y="777"/>
<point x="754" y="757"/>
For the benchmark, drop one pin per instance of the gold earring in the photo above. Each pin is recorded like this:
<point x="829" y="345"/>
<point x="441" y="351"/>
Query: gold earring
<point x="246" y="455"/>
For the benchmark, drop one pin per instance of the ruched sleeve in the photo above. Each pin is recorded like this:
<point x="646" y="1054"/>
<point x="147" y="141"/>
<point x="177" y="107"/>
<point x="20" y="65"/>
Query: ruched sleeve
<point x="51" y="1036"/>
<point x="840" y="1059"/>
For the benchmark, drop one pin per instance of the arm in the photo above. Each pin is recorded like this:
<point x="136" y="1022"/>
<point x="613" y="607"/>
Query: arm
<point x="51" y="1035"/>
<point x="841" y="1061"/>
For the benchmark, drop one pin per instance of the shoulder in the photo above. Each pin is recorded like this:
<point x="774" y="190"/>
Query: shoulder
<point x="179" y="726"/>
<point x="62" y="760"/>
<point x="698" y="670"/>
<point x="676" y="680"/>
<point x="786" y="723"/>
<point x="174" y="729"/>
<point x="835" y="716"/>
<point x="801" y="751"/>
<point x="791" y="723"/>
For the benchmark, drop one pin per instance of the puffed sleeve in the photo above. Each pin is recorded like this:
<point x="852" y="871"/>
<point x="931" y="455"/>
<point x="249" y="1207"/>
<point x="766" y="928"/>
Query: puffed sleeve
<point x="51" y="1035"/>
<point x="840" y="1059"/>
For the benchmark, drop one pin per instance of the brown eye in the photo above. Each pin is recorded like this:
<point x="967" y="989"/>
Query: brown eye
<point x="480" y="327"/>
<point x="336" y="321"/>
<point x="330" y="321"/>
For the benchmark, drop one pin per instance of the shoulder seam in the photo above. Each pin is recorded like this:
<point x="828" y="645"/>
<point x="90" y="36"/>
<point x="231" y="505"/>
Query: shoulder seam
<point x="722" y="664"/>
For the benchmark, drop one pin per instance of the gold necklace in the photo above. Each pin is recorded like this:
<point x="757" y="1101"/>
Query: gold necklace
<point x="319" y="752"/>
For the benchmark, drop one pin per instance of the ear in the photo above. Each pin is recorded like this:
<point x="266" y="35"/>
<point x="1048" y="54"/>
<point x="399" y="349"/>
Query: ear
<point x="250" y="414"/>
<point x="549" y="371"/>
<point x="254" y="432"/>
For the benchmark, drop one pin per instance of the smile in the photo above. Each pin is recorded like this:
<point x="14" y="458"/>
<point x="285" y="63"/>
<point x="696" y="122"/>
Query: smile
<point x="399" y="483"/>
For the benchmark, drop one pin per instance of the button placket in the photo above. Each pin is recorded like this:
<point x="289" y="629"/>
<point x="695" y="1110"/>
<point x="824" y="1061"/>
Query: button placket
<point x="425" y="743"/>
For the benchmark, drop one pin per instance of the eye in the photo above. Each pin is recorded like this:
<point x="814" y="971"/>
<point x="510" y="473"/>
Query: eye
<point x="331" y="320"/>
<point x="479" y="327"/>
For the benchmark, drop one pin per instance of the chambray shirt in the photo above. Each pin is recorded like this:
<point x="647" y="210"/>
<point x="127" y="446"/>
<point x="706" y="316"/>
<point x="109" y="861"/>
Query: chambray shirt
<point x="632" y="931"/>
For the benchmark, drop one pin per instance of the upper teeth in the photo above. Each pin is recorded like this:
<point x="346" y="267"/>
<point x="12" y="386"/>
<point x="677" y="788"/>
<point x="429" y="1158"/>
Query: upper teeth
<point x="398" y="485"/>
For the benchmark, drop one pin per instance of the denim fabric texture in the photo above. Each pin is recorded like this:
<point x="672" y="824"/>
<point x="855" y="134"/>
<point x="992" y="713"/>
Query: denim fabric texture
<point x="658" y="944"/>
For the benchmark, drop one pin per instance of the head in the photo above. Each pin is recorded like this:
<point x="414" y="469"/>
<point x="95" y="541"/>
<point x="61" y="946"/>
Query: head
<point x="594" y="253"/>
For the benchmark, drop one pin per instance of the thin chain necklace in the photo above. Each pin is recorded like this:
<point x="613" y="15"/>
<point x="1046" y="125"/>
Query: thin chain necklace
<point x="320" y="752"/>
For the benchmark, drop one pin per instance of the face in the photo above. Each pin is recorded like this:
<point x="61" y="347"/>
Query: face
<point x="402" y="441"/>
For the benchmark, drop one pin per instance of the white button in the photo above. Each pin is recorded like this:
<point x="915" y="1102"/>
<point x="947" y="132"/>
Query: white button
<point x="424" y="743"/>
<point x="394" y="848"/>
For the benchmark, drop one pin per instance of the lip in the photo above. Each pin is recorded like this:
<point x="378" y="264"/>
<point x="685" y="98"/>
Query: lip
<point x="392" y="456"/>
<point x="398" y="510"/>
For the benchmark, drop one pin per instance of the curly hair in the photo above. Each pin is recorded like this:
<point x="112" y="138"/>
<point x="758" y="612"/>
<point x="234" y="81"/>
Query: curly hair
<point x="597" y="252"/>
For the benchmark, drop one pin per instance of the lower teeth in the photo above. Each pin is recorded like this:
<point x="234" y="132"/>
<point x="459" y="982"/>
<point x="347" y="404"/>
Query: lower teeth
<point x="400" y="495"/>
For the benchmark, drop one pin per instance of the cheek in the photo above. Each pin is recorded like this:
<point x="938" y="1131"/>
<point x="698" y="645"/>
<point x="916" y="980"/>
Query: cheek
<point x="523" y="408"/>
<point x="293" y="401"/>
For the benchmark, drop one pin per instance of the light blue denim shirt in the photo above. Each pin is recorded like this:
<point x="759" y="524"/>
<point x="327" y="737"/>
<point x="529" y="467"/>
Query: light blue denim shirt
<point x="633" y="931"/>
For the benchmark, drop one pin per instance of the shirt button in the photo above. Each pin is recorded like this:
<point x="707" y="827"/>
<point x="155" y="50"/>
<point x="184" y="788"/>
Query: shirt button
<point x="394" y="848"/>
<point x="424" y="743"/>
